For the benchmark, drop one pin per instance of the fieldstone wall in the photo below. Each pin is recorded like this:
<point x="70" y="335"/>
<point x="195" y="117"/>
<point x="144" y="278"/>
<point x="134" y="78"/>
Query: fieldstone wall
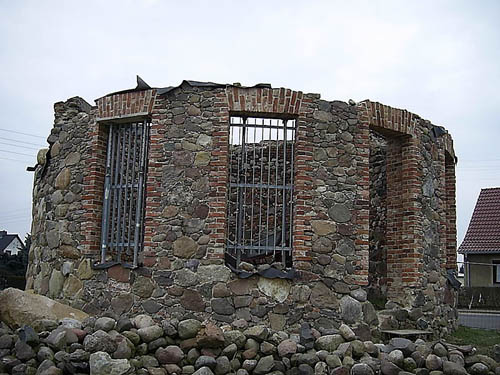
<point x="140" y="346"/>
<point x="378" y="218"/>
<point x="182" y="271"/>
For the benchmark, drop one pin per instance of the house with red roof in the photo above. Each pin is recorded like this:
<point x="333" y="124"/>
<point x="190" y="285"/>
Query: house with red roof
<point x="481" y="245"/>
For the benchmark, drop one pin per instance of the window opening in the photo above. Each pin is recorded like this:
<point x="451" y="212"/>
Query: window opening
<point x="260" y="191"/>
<point x="124" y="193"/>
<point x="496" y="271"/>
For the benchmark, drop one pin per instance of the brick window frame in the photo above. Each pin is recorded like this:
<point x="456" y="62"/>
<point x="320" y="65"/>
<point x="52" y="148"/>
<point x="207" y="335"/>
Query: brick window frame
<point x="124" y="192"/>
<point x="254" y="130"/>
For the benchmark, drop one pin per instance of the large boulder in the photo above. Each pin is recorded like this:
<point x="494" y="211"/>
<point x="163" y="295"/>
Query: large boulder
<point x="18" y="307"/>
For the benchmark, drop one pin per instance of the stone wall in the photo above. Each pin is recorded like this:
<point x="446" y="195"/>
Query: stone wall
<point x="182" y="270"/>
<point x="378" y="218"/>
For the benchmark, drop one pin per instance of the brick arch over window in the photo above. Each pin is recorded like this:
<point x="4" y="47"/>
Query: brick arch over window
<point x="284" y="103"/>
<point x="404" y="235"/>
<point x="123" y="107"/>
<point x="404" y="182"/>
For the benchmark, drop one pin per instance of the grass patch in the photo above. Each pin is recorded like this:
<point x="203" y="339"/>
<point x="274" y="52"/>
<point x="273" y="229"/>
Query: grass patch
<point x="482" y="339"/>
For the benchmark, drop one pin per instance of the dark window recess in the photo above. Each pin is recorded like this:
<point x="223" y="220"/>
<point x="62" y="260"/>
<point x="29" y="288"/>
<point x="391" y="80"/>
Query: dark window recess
<point x="124" y="193"/>
<point x="260" y="191"/>
<point x="496" y="271"/>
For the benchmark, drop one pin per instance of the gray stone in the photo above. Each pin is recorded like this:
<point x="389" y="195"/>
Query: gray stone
<point x="359" y="294"/>
<point x="323" y="227"/>
<point x="185" y="247"/>
<point x="478" y="369"/>
<point x="122" y="303"/>
<point x="188" y="328"/>
<point x="186" y="278"/>
<point x="71" y="286"/>
<point x="143" y="287"/>
<point x="370" y="316"/>
<point x="72" y="159"/>
<point x="150" y="333"/>
<point x="287" y="347"/>
<point x="99" y="341"/>
<point x="346" y="332"/>
<point x="205" y="361"/>
<point x="56" y="283"/>
<point x="361" y="369"/>
<point x="305" y="369"/>
<point x="151" y="306"/>
<point x="214" y="273"/>
<point x="396" y="356"/>
<point x="440" y="350"/>
<point x="450" y="368"/>
<point x="66" y="268"/>
<point x="235" y="337"/>
<point x="101" y="363"/>
<point x="259" y="333"/>
<point x="63" y="179"/>
<point x="323" y="297"/>
<point x="44" y="353"/>
<point x="389" y="368"/>
<point x="405" y="345"/>
<point x="203" y="371"/>
<point x="409" y="364"/>
<point x="170" y="354"/>
<point x="142" y="321"/>
<point x="321" y="368"/>
<point x="328" y="342"/>
<point x="277" y="289"/>
<point x="340" y="213"/>
<point x="106" y="324"/>
<point x="222" y="306"/>
<point x="346" y="247"/>
<point x="223" y="366"/>
<point x="350" y="309"/>
<point x="204" y="140"/>
<point x="23" y="351"/>
<point x="433" y="362"/>
<point x="264" y="365"/>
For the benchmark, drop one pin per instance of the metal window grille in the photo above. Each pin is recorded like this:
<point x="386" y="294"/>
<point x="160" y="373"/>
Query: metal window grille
<point x="124" y="193"/>
<point x="260" y="191"/>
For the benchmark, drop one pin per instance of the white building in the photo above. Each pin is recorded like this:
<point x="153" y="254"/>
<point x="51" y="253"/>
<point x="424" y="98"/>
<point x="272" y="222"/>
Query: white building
<point x="10" y="243"/>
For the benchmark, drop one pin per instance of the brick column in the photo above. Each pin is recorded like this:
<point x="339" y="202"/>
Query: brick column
<point x="451" y="214"/>
<point x="404" y="232"/>
<point x="93" y="182"/>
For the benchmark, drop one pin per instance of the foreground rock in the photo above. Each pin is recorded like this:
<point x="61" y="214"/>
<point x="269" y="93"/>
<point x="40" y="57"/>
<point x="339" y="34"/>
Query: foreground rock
<point x="142" y="346"/>
<point x="18" y="308"/>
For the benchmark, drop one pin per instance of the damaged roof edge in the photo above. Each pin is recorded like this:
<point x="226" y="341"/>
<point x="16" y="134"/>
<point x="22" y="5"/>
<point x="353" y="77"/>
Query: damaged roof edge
<point x="142" y="85"/>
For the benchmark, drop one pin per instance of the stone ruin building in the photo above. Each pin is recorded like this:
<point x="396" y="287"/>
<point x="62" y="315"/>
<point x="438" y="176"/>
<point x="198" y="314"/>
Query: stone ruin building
<point x="246" y="205"/>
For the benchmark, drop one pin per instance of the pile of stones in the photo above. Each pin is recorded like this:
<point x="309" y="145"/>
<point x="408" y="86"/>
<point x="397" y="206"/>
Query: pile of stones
<point x="142" y="346"/>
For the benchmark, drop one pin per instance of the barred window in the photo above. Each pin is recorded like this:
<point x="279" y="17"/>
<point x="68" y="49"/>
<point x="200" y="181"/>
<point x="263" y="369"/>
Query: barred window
<point x="124" y="193"/>
<point x="260" y="191"/>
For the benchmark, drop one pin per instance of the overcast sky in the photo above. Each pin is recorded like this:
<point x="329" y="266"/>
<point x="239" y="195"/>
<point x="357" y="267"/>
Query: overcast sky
<point x="438" y="59"/>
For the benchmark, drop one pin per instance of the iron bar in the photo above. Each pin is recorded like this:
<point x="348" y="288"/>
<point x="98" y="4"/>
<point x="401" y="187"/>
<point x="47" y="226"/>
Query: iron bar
<point x="119" y="191"/>
<point x="124" y="191"/>
<point x="138" y="211"/>
<point x="262" y="234"/>
<point x="106" y="200"/>
<point x="114" y="191"/>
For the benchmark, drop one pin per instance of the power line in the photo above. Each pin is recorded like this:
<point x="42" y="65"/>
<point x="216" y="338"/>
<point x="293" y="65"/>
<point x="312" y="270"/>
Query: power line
<point x="17" y="160"/>
<point x="13" y="145"/>
<point x="29" y="135"/>
<point x="17" y="153"/>
<point x="28" y="143"/>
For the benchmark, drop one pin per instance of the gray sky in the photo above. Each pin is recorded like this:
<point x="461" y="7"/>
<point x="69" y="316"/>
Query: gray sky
<point x="439" y="59"/>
